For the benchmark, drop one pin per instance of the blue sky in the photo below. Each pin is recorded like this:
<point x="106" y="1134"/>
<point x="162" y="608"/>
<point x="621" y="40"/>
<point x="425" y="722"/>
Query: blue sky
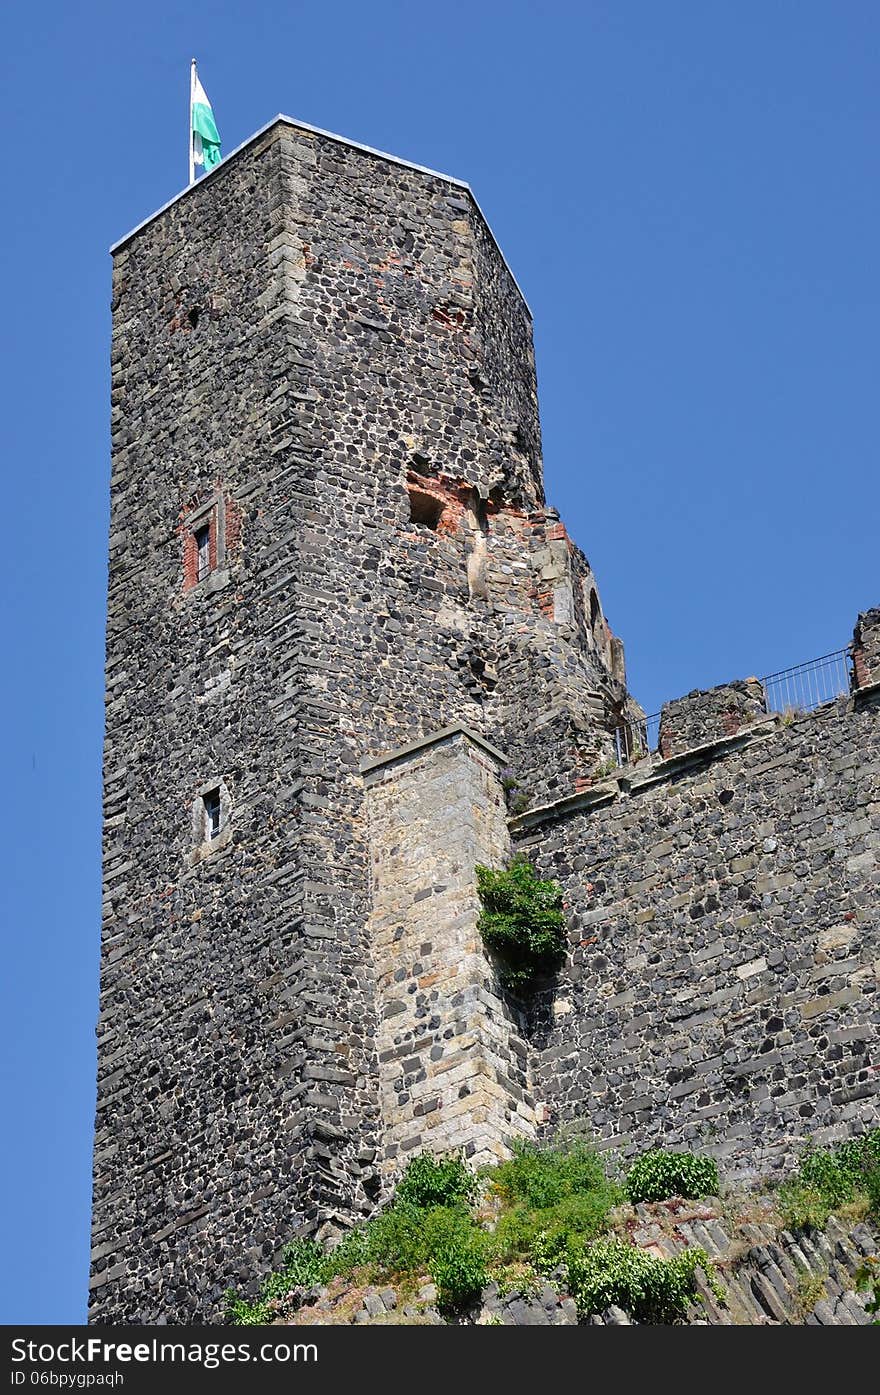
<point x="688" y="193"/>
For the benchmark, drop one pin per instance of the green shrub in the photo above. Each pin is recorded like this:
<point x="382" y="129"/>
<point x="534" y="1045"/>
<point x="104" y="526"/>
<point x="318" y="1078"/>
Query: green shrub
<point x="651" y="1290"/>
<point x="542" y="1236"/>
<point x="861" y="1154"/>
<point x="522" y="922"/>
<point x="458" y="1268"/>
<point x="552" y="1196"/>
<point x="396" y="1238"/>
<point x="829" y="1178"/>
<point x="405" y="1237"/>
<point x="868" y="1281"/>
<point x="657" y="1175"/>
<point x="802" y="1207"/>
<point x="839" y="1173"/>
<point x="872" y="1190"/>
<point x="303" y="1262"/>
<point x="430" y="1181"/>
<point x="541" y="1177"/>
<point x="241" y="1313"/>
<point x="442" y="1239"/>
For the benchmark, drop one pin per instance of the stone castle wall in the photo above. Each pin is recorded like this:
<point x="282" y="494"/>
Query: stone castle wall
<point x="453" y="1064"/>
<point x="723" y="987"/>
<point x="329" y="542"/>
<point x="320" y="357"/>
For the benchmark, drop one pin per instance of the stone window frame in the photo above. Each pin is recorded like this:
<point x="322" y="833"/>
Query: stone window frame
<point x="211" y="513"/>
<point x="203" y="846"/>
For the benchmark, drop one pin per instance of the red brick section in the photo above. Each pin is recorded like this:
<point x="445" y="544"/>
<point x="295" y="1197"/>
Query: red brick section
<point x="733" y="719"/>
<point x="190" y="559"/>
<point x="452" y="494"/>
<point x="232" y="514"/>
<point x="866" y="648"/>
<point x="233" y="525"/>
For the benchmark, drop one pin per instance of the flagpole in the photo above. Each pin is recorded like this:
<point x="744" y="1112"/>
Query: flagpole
<point x="192" y="92"/>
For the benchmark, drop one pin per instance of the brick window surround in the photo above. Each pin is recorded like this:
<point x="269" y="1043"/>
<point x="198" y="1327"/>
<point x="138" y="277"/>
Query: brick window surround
<point x="204" y="547"/>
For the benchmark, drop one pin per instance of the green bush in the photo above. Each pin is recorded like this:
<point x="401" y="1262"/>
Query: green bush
<point x="839" y="1173"/>
<point x="430" y="1181"/>
<point x="541" y="1177"/>
<point x="405" y="1237"/>
<point x="649" y="1289"/>
<point x="442" y="1239"/>
<point x="802" y="1207"/>
<point x="552" y="1196"/>
<point x="822" y="1173"/>
<point x="868" y="1281"/>
<point x="872" y="1190"/>
<point x="657" y="1175"/>
<point x="396" y="1239"/>
<point x="542" y="1236"/>
<point x="458" y="1268"/>
<point x="241" y="1313"/>
<point x="862" y="1153"/>
<point x="522" y="922"/>
<point x="831" y="1177"/>
<point x="304" y="1262"/>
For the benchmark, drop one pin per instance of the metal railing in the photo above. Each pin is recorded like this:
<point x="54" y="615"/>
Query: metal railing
<point x="809" y="685"/>
<point x="632" y="740"/>
<point x="801" y="688"/>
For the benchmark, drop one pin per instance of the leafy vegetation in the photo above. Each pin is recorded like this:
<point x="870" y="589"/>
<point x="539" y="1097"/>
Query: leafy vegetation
<point x="550" y="1210"/>
<point x="516" y="795"/>
<point x="459" y="1271"/>
<point x="540" y="1212"/>
<point x="657" y="1175"/>
<point x="868" y="1281"/>
<point x="521" y="922"/>
<point x="430" y="1181"/>
<point x="611" y="1271"/>
<point x="550" y="1196"/>
<point x="830" y="1178"/>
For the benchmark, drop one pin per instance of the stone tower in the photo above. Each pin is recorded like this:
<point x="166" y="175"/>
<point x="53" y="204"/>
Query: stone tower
<point x="338" y="606"/>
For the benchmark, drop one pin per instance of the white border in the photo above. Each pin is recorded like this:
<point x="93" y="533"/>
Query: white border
<point x="342" y="140"/>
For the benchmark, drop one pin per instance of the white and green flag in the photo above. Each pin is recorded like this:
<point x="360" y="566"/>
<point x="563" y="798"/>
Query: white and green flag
<point x="204" y="137"/>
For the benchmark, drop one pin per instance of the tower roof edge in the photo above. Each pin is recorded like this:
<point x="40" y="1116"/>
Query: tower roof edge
<point x="283" y="120"/>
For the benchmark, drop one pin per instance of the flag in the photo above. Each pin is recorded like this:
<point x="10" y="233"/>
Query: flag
<point x="205" y="136"/>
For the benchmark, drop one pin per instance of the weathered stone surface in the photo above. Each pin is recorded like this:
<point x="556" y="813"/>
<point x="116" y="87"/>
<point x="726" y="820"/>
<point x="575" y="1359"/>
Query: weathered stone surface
<point x="705" y="716"/>
<point x="323" y="395"/>
<point x="724" y="940"/>
<point x="329" y="540"/>
<point x="866" y="648"/>
<point x="453" y="1070"/>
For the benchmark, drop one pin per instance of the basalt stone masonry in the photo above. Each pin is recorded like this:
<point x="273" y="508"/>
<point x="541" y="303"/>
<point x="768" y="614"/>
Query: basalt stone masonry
<point x="328" y="540"/>
<point x="343" y="627"/>
<point x="705" y="716"/>
<point x="722" y="991"/>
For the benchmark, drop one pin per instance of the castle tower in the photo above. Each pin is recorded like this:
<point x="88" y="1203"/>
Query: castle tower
<point x="337" y="605"/>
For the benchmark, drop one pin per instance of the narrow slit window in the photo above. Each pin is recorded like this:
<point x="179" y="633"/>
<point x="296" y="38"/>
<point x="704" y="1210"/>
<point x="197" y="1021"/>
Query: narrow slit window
<point x="203" y="551"/>
<point x="212" y="807"/>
